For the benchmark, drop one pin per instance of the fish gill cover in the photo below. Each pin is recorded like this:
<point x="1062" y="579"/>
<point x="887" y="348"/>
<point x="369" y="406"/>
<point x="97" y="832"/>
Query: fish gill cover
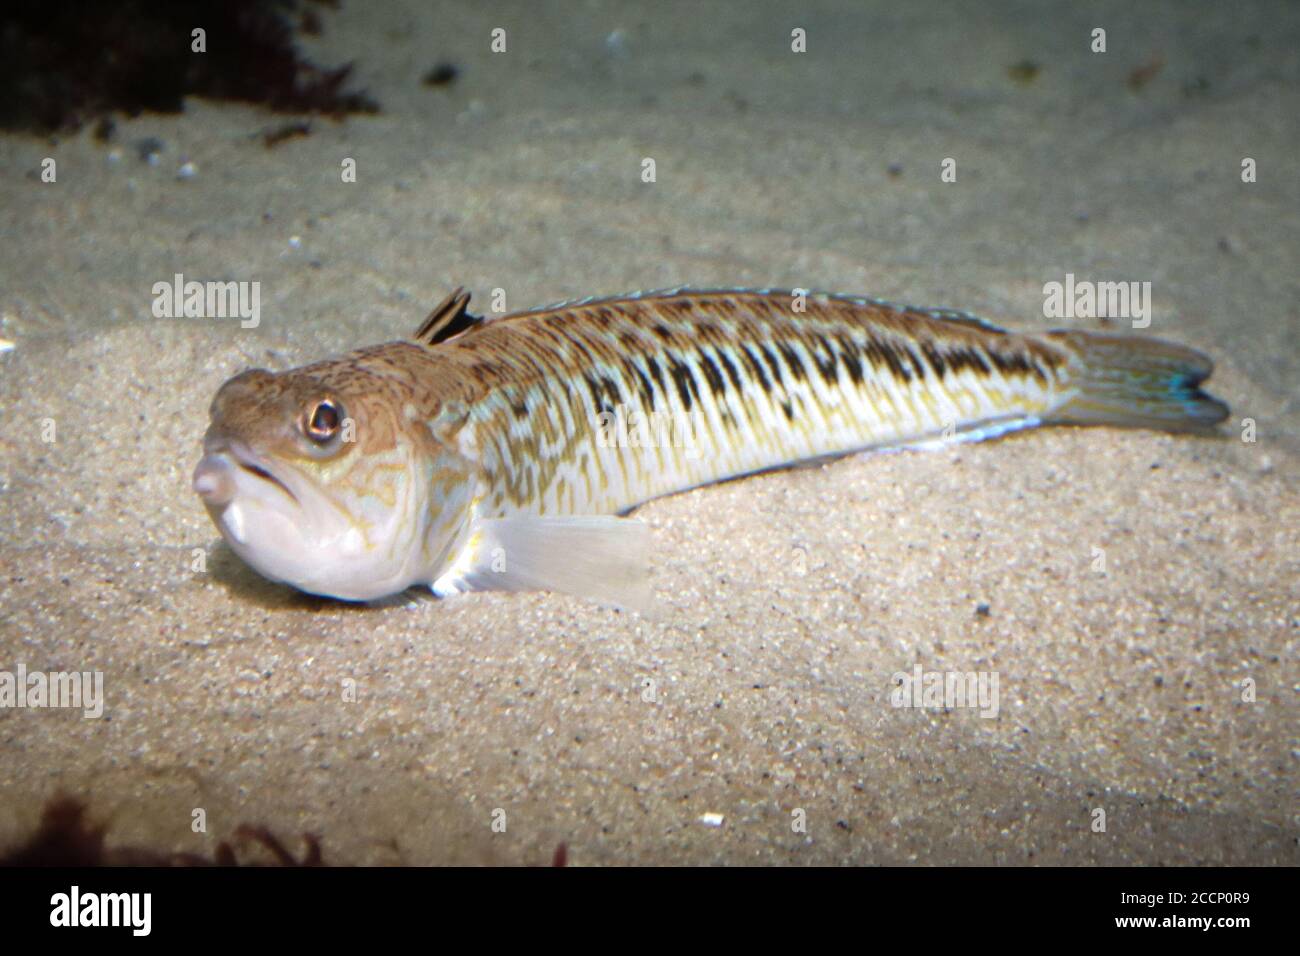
<point x="65" y="62"/>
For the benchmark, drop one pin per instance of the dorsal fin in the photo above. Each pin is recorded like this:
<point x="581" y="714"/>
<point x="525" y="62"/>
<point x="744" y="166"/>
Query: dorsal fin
<point x="966" y="319"/>
<point x="448" y="318"/>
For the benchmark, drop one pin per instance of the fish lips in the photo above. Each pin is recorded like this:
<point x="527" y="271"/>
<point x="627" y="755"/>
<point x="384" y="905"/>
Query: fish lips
<point x="217" y="475"/>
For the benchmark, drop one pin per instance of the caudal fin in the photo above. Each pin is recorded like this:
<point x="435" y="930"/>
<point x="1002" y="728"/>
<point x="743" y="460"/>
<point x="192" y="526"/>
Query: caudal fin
<point x="1138" y="383"/>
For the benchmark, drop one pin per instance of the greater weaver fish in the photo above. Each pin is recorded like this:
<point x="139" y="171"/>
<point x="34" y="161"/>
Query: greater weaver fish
<point x="496" y="454"/>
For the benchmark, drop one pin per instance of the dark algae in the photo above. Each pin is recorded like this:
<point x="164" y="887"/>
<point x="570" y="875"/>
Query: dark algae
<point x="65" y="63"/>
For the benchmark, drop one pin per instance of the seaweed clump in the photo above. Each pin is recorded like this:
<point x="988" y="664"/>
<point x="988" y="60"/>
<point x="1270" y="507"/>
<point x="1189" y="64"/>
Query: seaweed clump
<point x="66" y="838"/>
<point x="64" y="63"/>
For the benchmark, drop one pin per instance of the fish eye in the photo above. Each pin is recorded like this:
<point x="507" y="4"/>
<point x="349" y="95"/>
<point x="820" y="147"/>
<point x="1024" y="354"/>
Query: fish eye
<point x="324" y="421"/>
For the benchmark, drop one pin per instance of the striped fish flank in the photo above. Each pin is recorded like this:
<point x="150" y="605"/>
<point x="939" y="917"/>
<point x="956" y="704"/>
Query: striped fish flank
<point x="744" y="380"/>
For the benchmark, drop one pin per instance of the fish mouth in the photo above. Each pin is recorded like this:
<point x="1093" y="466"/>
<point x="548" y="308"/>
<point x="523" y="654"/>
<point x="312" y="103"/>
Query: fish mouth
<point x="259" y="468"/>
<point x="213" y="482"/>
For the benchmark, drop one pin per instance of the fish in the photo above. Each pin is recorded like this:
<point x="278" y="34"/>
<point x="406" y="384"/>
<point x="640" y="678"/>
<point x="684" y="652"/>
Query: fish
<point x="509" y="453"/>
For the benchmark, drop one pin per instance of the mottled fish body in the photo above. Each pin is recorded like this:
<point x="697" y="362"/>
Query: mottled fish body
<point x="493" y="454"/>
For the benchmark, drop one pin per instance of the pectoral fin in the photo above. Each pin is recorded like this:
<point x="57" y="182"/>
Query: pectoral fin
<point x="598" y="557"/>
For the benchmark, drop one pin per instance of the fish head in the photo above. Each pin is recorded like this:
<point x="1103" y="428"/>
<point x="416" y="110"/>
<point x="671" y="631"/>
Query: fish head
<point x="322" y="478"/>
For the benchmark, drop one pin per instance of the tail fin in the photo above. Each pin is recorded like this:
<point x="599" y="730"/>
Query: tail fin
<point x="1138" y="383"/>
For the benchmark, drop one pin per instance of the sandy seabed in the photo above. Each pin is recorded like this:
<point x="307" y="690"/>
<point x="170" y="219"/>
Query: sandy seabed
<point x="788" y="601"/>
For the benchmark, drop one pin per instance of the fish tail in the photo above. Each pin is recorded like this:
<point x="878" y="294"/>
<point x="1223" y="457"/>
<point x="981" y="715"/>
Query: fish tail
<point x="1138" y="383"/>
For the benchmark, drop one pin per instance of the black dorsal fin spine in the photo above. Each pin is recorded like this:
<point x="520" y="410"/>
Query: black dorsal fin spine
<point x="449" y="318"/>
